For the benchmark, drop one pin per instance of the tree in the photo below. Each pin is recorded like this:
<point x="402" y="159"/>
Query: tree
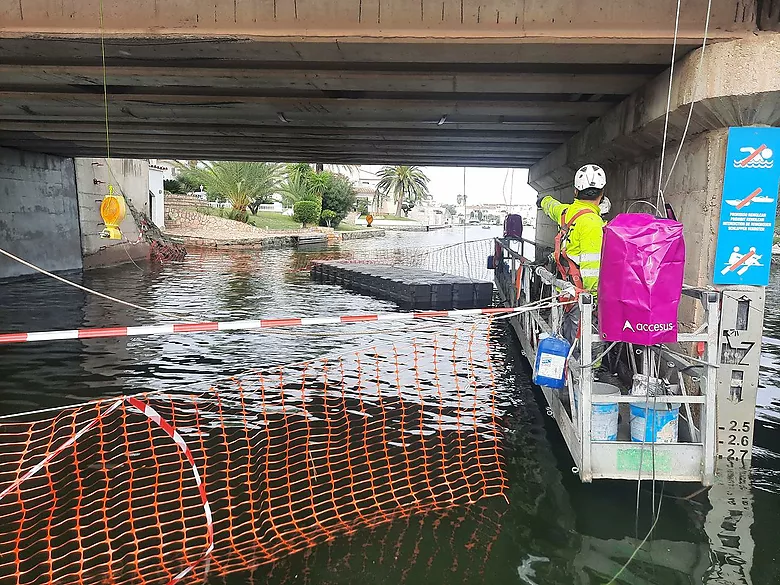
<point x="295" y="171"/>
<point x="320" y="182"/>
<point x="173" y="186"/>
<point x="328" y="216"/>
<point x="307" y="211"/>
<point x="241" y="183"/>
<point x="453" y="211"/>
<point x="344" y="169"/>
<point x="339" y="197"/>
<point x="295" y="188"/>
<point x="404" y="183"/>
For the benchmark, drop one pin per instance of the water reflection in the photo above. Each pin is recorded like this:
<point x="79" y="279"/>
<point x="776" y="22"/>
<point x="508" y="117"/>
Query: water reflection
<point x="553" y="530"/>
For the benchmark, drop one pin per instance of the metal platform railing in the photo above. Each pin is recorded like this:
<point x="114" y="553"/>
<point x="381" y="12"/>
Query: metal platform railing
<point x="691" y="362"/>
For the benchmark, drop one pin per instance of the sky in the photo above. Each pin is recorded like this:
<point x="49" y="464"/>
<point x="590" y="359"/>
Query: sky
<point x="482" y="185"/>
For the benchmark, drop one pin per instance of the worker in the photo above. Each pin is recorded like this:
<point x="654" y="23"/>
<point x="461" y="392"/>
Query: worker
<point x="577" y="253"/>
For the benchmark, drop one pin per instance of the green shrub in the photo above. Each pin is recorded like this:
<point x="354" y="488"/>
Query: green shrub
<point x="328" y="216"/>
<point x="338" y="197"/>
<point x="173" y="186"/>
<point x="307" y="211"/>
<point x="236" y="215"/>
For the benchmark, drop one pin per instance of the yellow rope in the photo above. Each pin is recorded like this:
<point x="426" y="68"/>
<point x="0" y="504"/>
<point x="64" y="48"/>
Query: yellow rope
<point x="105" y="84"/>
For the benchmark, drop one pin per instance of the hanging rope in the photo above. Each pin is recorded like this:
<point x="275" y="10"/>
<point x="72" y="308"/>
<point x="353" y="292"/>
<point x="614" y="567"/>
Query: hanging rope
<point x="105" y="84"/>
<point x="660" y="201"/>
<point x="693" y="102"/>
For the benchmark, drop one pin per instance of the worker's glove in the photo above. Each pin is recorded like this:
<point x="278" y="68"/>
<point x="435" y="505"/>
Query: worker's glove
<point x="539" y="200"/>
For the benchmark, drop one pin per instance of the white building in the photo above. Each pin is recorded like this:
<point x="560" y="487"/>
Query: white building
<point x="157" y="194"/>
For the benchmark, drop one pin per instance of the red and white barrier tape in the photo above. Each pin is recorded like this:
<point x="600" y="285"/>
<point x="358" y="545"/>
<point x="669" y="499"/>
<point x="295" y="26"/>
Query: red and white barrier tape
<point x="95" y="332"/>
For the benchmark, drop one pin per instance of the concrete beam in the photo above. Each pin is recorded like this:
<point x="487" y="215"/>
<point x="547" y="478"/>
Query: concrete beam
<point x="738" y="84"/>
<point x="516" y="54"/>
<point x="259" y="80"/>
<point x="66" y="130"/>
<point x="560" y="124"/>
<point x="476" y="158"/>
<point x="349" y="68"/>
<point x="372" y="18"/>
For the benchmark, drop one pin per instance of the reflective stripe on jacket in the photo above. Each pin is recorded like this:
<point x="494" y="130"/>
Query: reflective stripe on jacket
<point x="584" y="242"/>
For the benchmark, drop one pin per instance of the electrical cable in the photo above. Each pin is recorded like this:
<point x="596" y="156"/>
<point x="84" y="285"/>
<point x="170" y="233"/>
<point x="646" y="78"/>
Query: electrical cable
<point x="465" y="223"/>
<point x="660" y="201"/>
<point x="614" y="578"/>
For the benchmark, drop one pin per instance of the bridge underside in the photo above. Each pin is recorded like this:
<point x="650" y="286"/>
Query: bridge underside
<point x="483" y="83"/>
<point x="437" y="104"/>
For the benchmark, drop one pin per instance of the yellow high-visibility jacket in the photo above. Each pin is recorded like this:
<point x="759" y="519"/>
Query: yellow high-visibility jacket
<point x="585" y="236"/>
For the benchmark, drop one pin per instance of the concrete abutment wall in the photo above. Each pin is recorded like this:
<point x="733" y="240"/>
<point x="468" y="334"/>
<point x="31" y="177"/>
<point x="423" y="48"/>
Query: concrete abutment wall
<point x="39" y="215"/>
<point x="129" y="178"/>
<point x="737" y="83"/>
<point x="50" y="211"/>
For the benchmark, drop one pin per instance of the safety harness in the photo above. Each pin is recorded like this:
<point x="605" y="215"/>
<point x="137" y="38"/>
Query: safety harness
<point x="568" y="268"/>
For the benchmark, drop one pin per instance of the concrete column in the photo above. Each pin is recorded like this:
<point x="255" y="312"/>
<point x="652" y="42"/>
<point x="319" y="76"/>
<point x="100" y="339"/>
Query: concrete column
<point x="39" y="219"/>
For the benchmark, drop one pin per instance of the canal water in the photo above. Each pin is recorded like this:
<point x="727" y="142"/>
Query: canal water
<point x="553" y="530"/>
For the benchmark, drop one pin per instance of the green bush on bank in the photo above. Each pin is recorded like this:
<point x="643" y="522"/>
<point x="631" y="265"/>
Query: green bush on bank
<point x="307" y="212"/>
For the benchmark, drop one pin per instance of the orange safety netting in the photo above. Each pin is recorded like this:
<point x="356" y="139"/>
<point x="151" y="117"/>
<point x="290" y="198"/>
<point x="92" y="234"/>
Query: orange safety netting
<point x="168" y="488"/>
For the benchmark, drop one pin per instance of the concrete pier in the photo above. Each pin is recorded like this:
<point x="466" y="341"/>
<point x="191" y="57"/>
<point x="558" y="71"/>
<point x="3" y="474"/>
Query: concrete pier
<point x="412" y="288"/>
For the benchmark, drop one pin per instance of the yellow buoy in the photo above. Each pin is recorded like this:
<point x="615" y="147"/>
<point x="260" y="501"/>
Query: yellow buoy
<point x="113" y="210"/>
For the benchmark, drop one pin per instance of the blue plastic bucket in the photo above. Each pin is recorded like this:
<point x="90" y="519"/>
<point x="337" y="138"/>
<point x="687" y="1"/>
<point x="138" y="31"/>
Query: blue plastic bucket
<point x="603" y="417"/>
<point x="657" y="424"/>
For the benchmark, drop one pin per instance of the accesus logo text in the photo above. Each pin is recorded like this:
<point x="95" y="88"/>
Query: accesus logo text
<point x="648" y="327"/>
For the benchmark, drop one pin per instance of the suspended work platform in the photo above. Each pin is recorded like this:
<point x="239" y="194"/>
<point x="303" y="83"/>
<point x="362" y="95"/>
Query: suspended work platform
<point x="687" y="371"/>
<point x="412" y="288"/>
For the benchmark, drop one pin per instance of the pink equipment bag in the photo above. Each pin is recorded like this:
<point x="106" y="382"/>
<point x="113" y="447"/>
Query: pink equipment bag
<point x="641" y="278"/>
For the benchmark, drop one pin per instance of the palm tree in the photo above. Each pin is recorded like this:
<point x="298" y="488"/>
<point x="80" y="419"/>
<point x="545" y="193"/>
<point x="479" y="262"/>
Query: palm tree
<point x="405" y="183"/>
<point x="347" y="170"/>
<point x="243" y="184"/>
<point x="296" y="170"/>
<point x="319" y="182"/>
<point x="295" y="188"/>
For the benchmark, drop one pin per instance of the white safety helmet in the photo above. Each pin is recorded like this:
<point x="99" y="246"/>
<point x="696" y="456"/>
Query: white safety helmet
<point x="590" y="176"/>
<point x="605" y="205"/>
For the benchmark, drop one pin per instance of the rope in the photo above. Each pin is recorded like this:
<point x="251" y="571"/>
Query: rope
<point x="641" y="544"/>
<point x="105" y="84"/>
<point x="84" y="288"/>
<point x="693" y="102"/>
<point x="660" y="201"/>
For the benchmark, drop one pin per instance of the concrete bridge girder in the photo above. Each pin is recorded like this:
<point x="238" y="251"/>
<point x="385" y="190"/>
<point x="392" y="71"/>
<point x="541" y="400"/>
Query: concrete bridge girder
<point x="388" y="66"/>
<point x="378" y="17"/>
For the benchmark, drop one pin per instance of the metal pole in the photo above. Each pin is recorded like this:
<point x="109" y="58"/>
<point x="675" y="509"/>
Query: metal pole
<point x="586" y="381"/>
<point x="708" y="420"/>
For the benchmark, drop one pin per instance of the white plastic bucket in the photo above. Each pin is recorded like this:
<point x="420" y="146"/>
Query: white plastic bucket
<point x="604" y="417"/>
<point x="663" y="422"/>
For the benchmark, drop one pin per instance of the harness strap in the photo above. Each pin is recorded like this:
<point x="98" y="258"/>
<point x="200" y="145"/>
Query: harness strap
<point x="568" y="268"/>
